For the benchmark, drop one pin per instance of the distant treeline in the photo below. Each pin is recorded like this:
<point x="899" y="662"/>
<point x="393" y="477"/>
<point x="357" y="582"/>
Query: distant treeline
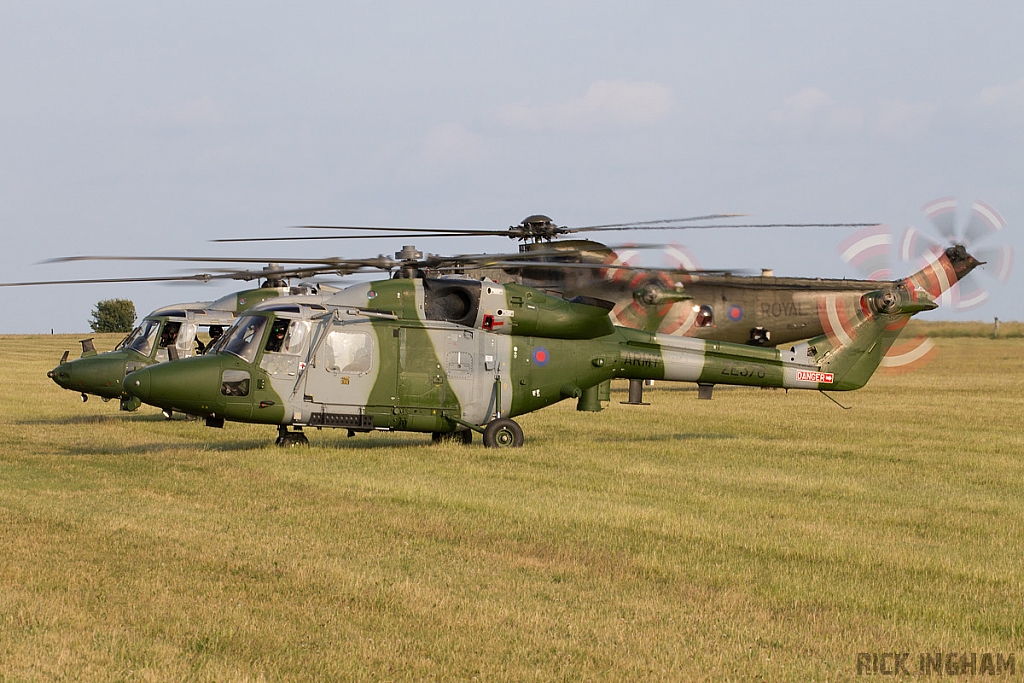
<point x="948" y="328"/>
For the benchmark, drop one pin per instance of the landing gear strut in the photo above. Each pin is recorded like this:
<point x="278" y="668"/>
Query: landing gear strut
<point x="503" y="433"/>
<point x="286" y="439"/>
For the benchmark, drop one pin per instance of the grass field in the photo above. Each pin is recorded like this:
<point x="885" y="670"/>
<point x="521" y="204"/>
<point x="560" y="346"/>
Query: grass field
<point x="758" y="536"/>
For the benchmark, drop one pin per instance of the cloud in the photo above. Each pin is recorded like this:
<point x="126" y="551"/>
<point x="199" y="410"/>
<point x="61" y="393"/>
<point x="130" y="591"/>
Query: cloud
<point x="812" y="111"/>
<point x="605" y="105"/>
<point x="1008" y="98"/>
<point x="452" y="145"/>
<point x="903" y="118"/>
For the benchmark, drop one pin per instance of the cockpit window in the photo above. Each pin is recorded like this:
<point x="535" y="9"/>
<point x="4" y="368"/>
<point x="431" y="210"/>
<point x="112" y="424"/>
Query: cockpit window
<point x="705" y="316"/>
<point x="243" y="339"/>
<point x="285" y="346"/>
<point x="169" y="334"/>
<point x="143" y="337"/>
<point x="275" y="342"/>
<point x="298" y="332"/>
<point x="217" y="339"/>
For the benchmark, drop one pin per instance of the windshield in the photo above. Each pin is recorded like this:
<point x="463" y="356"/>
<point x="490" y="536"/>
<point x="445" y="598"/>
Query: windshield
<point x="142" y="338"/>
<point x="243" y="339"/>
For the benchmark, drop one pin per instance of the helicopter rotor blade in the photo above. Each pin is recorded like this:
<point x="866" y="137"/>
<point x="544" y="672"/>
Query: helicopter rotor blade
<point x="202" y="277"/>
<point x="533" y="230"/>
<point x="307" y="238"/>
<point x="708" y="217"/>
<point x="424" y="231"/>
<point x="915" y="244"/>
<point x="598" y="266"/>
<point x="998" y="261"/>
<point x="725" y="226"/>
<point x="942" y="214"/>
<point x="868" y="251"/>
<point x="984" y="221"/>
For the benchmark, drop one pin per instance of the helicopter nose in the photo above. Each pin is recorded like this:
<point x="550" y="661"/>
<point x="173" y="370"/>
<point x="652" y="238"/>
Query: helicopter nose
<point x="138" y="383"/>
<point x="61" y="375"/>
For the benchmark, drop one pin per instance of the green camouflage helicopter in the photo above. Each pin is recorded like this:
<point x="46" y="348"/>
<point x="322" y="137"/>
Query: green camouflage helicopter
<point x="168" y="333"/>
<point x="452" y="356"/>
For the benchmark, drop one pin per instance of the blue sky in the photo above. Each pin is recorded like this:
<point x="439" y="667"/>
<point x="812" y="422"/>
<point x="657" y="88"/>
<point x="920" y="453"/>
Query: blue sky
<point x="137" y="128"/>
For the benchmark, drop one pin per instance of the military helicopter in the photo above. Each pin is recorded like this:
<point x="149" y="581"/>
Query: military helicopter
<point x="168" y="333"/>
<point x="759" y="310"/>
<point x="452" y="356"/>
<point x="723" y="305"/>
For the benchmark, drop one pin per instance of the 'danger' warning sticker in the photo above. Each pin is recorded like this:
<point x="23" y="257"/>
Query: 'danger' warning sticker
<point x="811" y="376"/>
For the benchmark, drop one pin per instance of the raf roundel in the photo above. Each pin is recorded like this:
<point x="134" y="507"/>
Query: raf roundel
<point x="541" y="356"/>
<point x="735" y="313"/>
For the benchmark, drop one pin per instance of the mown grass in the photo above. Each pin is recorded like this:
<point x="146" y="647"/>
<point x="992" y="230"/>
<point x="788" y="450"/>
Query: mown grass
<point x="950" y="328"/>
<point x="763" y="535"/>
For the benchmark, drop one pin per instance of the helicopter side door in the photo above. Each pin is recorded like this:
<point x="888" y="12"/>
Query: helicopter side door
<point x="422" y="380"/>
<point x="472" y="361"/>
<point x="343" y="369"/>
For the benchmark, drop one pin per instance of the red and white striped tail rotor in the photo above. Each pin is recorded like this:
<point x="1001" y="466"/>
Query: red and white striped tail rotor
<point x="869" y="251"/>
<point x="622" y="261"/>
<point x="909" y="355"/>
<point x="984" y="223"/>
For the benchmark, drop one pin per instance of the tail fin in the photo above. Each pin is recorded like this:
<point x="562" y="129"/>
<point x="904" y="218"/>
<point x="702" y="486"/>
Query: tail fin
<point x="854" y="345"/>
<point x="948" y="268"/>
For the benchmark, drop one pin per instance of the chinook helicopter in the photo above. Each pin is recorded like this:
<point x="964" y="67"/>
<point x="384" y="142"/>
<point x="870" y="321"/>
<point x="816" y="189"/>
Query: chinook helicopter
<point x="452" y="356"/>
<point x="759" y="310"/>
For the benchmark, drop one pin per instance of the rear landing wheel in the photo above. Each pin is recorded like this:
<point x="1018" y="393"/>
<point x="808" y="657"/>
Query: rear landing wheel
<point x="503" y="433"/>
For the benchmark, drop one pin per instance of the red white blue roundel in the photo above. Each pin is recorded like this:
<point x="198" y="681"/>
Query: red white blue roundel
<point x="541" y="356"/>
<point x="735" y="313"/>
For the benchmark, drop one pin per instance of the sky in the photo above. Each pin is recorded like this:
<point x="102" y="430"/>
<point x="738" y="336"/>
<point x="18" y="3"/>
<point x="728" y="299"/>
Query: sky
<point x="151" y="128"/>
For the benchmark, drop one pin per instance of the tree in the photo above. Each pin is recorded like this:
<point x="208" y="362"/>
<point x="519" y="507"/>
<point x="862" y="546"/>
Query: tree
<point x="113" y="315"/>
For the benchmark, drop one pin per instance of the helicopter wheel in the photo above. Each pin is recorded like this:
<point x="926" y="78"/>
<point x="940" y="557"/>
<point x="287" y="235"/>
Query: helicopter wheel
<point x="503" y="433"/>
<point x="464" y="437"/>
<point x="286" y="439"/>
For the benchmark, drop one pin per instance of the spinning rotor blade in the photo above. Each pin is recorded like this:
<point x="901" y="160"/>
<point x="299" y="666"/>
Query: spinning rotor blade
<point x="998" y="261"/>
<point x="662" y="221"/>
<point x="535" y="228"/>
<point x="984" y="221"/>
<point x="915" y="244"/>
<point x="599" y="266"/>
<point x="942" y="214"/>
<point x="306" y="238"/>
<point x="203" y="277"/>
<point x="909" y="355"/>
<point x="722" y="226"/>
<point x="868" y="252"/>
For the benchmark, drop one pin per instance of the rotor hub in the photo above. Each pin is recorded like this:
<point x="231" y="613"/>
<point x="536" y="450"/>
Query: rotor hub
<point x="409" y="253"/>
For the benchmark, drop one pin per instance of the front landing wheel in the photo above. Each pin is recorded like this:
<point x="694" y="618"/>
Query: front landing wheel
<point x="503" y="433"/>
<point x="286" y="439"/>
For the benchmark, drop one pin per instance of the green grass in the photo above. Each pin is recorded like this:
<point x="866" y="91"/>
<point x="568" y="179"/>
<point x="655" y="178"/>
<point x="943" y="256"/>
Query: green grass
<point x="758" y="536"/>
<point x="949" y="329"/>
